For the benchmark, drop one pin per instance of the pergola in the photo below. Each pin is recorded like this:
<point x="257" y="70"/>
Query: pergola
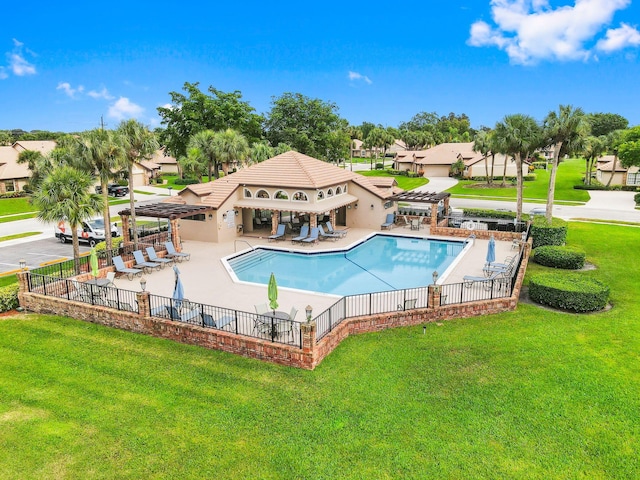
<point x="171" y="211"/>
<point x="426" y="197"/>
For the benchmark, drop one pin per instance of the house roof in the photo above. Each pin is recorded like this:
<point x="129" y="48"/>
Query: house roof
<point x="42" y="146"/>
<point x="161" y="158"/>
<point x="290" y="170"/>
<point x="148" y="165"/>
<point x="608" y="167"/>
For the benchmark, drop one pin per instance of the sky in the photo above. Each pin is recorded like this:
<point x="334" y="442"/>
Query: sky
<point x="69" y="68"/>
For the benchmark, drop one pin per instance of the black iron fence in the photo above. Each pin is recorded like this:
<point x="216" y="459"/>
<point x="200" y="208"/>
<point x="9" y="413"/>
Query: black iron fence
<point x="276" y="327"/>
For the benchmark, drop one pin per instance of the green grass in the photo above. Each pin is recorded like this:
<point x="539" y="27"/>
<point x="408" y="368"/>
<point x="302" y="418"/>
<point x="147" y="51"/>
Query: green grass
<point x="527" y="394"/>
<point x="404" y="183"/>
<point x="570" y="173"/>
<point x="11" y="206"/>
<point x="8" y="280"/>
<point x="13" y="218"/>
<point x="18" y="235"/>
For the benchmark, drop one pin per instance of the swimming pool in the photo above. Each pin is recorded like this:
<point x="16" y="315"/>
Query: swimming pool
<point x="380" y="263"/>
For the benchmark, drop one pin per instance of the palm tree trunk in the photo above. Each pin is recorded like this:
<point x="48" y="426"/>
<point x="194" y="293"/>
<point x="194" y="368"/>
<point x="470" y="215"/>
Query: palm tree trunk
<point x="552" y="181"/>
<point x="519" y="196"/>
<point x="76" y="248"/>
<point x="613" y="170"/>
<point x="132" y="207"/>
<point x="107" y="221"/>
<point x="493" y="164"/>
<point x="504" y="171"/>
<point x="486" y="169"/>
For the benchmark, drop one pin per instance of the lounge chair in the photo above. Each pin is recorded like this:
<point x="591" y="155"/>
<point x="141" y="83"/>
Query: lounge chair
<point x="120" y="267"/>
<point x="280" y="232"/>
<point x="173" y="253"/>
<point x="469" y="280"/>
<point x="313" y="237"/>
<point x="517" y="242"/>
<point x="388" y="223"/>
<point x="153" y="257"/>
<point x="141" y="262"/>
<point x="504" y="268"/>
<point x="324" y="235"/>
<point x="331" y="230"/>
<point x="304" y="232"/>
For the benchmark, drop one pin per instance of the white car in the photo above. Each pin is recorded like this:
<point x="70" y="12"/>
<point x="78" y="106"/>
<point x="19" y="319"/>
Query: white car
<point x="538" y="211"/>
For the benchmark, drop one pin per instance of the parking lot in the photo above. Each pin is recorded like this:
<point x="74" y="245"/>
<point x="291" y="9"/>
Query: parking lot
<point x="36" y="253"/>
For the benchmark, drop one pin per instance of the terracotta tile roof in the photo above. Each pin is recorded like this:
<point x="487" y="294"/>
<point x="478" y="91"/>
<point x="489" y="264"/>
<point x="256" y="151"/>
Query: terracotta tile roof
<point x="160" y="158"/>
<point x="442" y="154"/>
<point x="149" y="165"/>
<point x="42" y="146"/>
<point x="608" y="167"/>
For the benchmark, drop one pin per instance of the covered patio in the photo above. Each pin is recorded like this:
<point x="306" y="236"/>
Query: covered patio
<point x="435" y="199"/>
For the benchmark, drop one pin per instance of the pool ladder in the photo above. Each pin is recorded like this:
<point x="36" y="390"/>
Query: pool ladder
<point x="235" y="245"/>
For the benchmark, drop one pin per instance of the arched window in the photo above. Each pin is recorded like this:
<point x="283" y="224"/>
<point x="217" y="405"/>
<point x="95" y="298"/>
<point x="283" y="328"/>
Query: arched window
<point x="338" y="190"/>
<point x="247" y="193"/>
<point x="344" y="188"/>
<point x="281" y="195"/>
<point x="262" y="194"/>
<point x="320" y="195"/>
<point x="330" y="192"/>
<point x="300" y="197"/>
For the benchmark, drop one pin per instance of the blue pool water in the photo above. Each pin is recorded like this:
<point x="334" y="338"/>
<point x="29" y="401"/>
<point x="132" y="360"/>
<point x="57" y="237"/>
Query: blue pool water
<point x="382" y="262"/>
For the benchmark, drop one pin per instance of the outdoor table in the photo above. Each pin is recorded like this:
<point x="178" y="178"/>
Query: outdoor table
<point x="272" y="322"/>
<point x="100" y="282"/>
<point x="97" y="294"/>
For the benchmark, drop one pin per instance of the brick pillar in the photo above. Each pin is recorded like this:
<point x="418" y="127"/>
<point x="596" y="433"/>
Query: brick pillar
<point x="434" y="296"/>
<point x="308" y="336"/>
<point x="274" y="221"/>
<point x="175" y="235"/>
<point x="144" y="308"/>
<point x="332" y="217"/>
<point x="434" y="216"/>
<point x="313" y="220"/>
<point x="126" y="238"/>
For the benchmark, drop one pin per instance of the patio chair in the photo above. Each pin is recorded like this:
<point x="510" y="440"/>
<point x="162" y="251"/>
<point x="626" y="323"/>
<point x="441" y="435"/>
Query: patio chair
<point x="517" y="242"/>
<point x="407" y="223"/>
<point x="388" y="223"/>
<point x="153" y="257"/>
<point x="487" y="282"/>
<point x="261" y="308"/>
<point x="312" y="238"/>
<point x="279" y="235"/>
<point x="141" y="262"/>
<point x="111" y="276"/>
<point x="324" y="235"/>
<point x="120" y="267"/>
<point x="331" y="230"/>
<point x="304" y="232"/>
<point x="293" y="313"/>
<point x="225" y="320"/>
<point x="173" y="253"/>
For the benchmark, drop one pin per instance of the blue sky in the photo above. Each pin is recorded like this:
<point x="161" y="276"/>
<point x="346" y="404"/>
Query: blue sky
<point x="62" y="68"/>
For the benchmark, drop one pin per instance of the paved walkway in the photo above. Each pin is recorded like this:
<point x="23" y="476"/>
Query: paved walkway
<point x="437" y="184"/>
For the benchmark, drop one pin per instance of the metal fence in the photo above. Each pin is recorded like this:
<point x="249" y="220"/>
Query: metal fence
<point x="277" y="327"/>
<point x="85" y="292"/>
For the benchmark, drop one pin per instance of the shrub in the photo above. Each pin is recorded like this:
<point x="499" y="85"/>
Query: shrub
<point x="379" y="166"/>
<point x="569" y="291"/>
<point x="636" y="197"/>
<point x="9" y="297"/>
<point x="559" y="257"/>
<point x="185" y="181"/>
<point x="13" y="194"/>
<point x="101" y="248"/>
<point x="545" y="234"/>
<point x="482" y="213"/>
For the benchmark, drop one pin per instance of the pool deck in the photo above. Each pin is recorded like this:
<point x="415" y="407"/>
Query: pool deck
<point x="206" y="280"/>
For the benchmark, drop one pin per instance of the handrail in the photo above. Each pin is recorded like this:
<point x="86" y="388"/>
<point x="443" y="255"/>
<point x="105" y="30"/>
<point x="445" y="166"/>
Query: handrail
<point x="235" y="249"/>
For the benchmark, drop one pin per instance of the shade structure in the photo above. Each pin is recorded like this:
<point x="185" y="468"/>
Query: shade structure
<point x="491" y="250"/>
<point x="273" y="292"/>
<point x="178" y="289"/>
<point x="93" y="261"/>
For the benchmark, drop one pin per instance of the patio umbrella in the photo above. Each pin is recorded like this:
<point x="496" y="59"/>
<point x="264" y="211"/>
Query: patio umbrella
<point x="178" y="289"/>
<point x="491" y="250"/>
<point x="93" y="261"/>
<point x="273" y="292"/>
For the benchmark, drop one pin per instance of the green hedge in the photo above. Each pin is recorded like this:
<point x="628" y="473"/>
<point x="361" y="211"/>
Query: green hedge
<point x="569" y="291"/>
<point x="559" y="257"/>
<point x="636" y="197"/>
<point x="483" y="213"/>
<point x="526" y="178"/>
<point x="185" y="181"/>
<point x="9" y="297"/>
<point x="545" y="234"/>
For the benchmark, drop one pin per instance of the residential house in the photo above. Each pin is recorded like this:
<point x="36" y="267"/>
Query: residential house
<point x="621" y="176"/>
<point x="13" y="175"/>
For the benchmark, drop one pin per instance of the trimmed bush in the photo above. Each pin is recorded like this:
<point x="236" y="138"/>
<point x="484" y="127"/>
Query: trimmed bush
<point x="185" y="181"/>
<point x="636" y="197"/>
<point x="545" y="234"/>
<point x="569" y="291"/>
<point x="9" y="297"/>
<point x="559" y="257"/>
<point x="482" y="213"/>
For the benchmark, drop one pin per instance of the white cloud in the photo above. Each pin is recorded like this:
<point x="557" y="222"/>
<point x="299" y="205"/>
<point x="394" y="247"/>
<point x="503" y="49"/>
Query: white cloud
<point x="17" y="62"/>
<point x="619" y="38"/>
<point x="104" y="93"/>
<point x="124" y="108"/>
<point x="68" y="90"/>
<point x="358" y="76"/>
<point x="531" y="30"/>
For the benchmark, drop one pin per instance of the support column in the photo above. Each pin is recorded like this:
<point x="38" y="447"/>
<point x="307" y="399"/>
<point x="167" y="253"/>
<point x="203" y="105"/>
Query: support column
<point x="434" y="216"/>
<point x="175" y="234"/>
<point x="433" y="296"/>
<point x="144" y="308"/>
<point x="313" y="220"/>
<point x="274" y="221"/>
<point x="332" y="217"/>
<point x="126" y="238"/>
<point x="308" y="336"/>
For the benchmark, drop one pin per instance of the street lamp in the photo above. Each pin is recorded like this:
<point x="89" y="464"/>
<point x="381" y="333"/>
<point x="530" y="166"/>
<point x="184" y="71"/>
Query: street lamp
<point x="143" y="284"/>
<point x="435" y="276"/>
<point x="23" y="264"/>
<point x="309" y="312"/>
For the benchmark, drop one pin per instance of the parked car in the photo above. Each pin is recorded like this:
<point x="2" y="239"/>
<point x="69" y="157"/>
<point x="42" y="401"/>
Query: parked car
<point x="114" y="189"/>
<point x="538" y="211"/>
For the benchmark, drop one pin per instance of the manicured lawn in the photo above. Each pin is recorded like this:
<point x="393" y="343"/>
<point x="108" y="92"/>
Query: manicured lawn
<point x="18" y="235"/>
<point x="8" y="279"/>
<point x="10" y="206"/>
<point x="570" y="173"/>
<point x="405" y="183"/>
<point x="527" y="394"/>
<point x="13" y="218"/>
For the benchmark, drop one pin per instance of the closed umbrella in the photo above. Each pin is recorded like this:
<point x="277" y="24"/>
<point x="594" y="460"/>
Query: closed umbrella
<point x="178" y="289"/>
<point x="273" y="293"/>
<point x="491" y="250"/>
<point x="93" y="261"/>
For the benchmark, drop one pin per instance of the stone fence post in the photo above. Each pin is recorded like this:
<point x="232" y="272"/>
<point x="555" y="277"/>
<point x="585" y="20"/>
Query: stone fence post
<point x="144" y="308"/>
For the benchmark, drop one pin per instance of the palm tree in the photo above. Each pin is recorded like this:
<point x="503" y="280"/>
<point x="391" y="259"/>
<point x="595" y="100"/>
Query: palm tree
<point x="562" y="129"/>
<point x="520" y="135"/>
<point x="378" y="138"/>
<point x="594" y="147"/>
<point x="66" y="194"/>
<point x="481" y="145"/>
<point x="99" y="151"/>
<point x="138" y="144"/>
<point x="261" y="151"/>
<point x="230" y="146"/>
<point x="204" y="142"/>
<point x="614" y="139"/>
<point x="194" y="164"/>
